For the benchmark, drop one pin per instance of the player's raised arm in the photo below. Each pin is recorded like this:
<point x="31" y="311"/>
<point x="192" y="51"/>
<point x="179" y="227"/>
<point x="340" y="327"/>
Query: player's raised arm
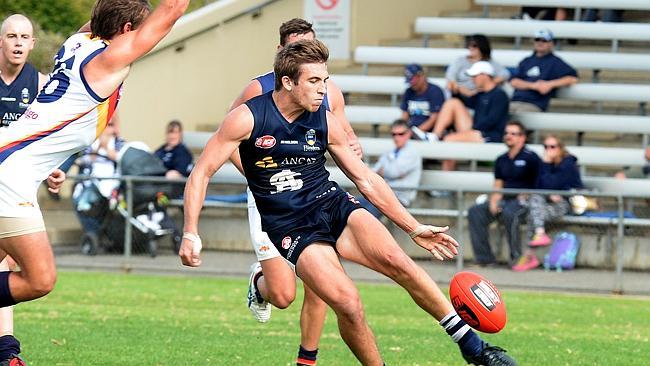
<point x="236" y="127"/>
<point x="129" y="40"/>
<point x="375" y="189"/>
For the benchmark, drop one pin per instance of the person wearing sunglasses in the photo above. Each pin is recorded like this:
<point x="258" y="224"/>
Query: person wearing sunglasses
<point x="559" y="171"/>
<point x="459" y="83"/>
<point x="539" y="75"/>
<point x="401" y="167"/>
<point x="517" y="169"/>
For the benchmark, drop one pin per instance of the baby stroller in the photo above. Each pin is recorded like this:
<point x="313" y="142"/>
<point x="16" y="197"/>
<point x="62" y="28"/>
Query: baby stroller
<point x="103" y="211"/>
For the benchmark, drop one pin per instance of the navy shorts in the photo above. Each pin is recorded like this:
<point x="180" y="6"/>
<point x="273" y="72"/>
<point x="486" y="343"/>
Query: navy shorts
<point x="324" y="224"/>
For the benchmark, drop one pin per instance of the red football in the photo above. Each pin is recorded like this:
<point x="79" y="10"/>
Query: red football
<point x="478" y="302"/>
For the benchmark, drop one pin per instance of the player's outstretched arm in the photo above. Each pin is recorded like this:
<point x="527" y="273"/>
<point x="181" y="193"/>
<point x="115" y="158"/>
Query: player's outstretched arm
<point x="125" y="48"/>
<point x="236" y="127"/>
<point x="130" y="46"/>
<point x="375" y="189"/>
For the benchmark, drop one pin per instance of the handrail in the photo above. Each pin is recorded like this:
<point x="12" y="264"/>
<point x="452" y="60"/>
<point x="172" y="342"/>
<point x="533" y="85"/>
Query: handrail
<point x="182" y="30"/>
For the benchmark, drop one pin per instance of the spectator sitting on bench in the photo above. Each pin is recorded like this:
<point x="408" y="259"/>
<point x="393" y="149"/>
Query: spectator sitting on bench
<point x="538" y="75"/>
<point x="559" y="171"/>
<point x="490" y="113"/>
<point x="174" y="154"/>
<point x="401" y="167"/>
<point x="459" y="83"/>
<point x="517" y="168"/>
<point x="421" y="101"/>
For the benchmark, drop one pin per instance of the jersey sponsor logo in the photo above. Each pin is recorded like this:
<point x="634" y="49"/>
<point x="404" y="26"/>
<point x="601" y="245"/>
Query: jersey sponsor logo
<point x="24" y="95"/>
<point x="297" y="161"/>
<point x="266" y="163"/>
<point x="285" y="181"/>
<point x="286" y="242"/>
<point x="26" y="204"/>
<point x="288" y="142"/>
<point x="8" y="99"/>
<point x="310" y="137"/>
<point x="11" y="116"/>
<point x="265" y="142"/>
<point x="310" y="148"/>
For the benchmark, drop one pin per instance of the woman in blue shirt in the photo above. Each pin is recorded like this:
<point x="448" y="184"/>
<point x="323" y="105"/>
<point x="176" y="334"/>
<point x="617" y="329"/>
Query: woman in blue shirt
<point x="559" y="171"/>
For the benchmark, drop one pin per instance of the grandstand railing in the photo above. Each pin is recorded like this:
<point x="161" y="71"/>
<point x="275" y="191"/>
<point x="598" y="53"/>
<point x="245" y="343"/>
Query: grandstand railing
<point x="604" y="92"/>
<point x="518" y="28"/>
<point x="367" y="55"/>
<point x="476" y="152"/>
<point x="576" y="4"/>
<point x="534" y="121"/>
<point x="464" y="190"/>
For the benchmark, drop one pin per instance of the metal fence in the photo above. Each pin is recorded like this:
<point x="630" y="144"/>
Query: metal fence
<point x="613" y="239"/>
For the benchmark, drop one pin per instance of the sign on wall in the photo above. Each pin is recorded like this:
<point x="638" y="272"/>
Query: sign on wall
<point x="331" y="19"/>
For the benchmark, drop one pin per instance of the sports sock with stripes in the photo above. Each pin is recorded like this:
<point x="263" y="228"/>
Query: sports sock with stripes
<point x="9" y="346"/>
<point x="305" y="357"/>
<point x="469" y="342"/>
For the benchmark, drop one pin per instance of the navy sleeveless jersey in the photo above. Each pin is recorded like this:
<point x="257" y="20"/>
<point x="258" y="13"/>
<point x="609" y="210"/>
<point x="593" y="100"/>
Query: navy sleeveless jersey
<point x="267" y="81"/>
<point x="284" y="162"/>
<point x="16" y="97"/>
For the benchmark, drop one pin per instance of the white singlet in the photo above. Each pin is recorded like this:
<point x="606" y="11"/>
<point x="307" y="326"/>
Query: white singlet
<point x="65" y="118"/>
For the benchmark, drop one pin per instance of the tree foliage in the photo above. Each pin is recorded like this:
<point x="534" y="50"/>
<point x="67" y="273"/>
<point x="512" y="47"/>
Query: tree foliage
<point x="55" y="20"/>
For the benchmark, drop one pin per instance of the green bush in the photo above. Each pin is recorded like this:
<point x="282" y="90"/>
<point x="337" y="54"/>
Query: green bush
<point x="55" y="20"/>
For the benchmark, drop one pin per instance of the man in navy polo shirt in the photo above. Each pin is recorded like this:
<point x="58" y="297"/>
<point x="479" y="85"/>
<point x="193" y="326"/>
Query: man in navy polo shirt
<point x="517" y="169"/>
<point x="538" y="75"/>
<point x="421" y="101"/>
<point x="490" y="113"/>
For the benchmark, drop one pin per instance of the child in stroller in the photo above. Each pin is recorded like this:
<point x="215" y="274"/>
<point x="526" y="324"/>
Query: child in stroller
<point x="101" y="203"/>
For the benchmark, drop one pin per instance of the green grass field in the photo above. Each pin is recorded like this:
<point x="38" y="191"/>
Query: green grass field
<point x="118" y="319"/>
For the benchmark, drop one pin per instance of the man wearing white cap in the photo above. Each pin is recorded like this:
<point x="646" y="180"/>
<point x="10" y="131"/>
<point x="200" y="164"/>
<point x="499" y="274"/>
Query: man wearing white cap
<point x="538" y="75"/>
<point x="490" y="113"/>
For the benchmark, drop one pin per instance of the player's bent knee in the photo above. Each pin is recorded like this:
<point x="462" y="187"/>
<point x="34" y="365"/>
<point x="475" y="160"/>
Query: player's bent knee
<point x="282" y="299"/>
<point x="348" y="305"/>
<point x="43" y="285"/>
<point x="396" y="264"/>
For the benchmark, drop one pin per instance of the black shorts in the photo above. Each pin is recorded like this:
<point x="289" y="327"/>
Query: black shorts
<point x="325" y="224"/>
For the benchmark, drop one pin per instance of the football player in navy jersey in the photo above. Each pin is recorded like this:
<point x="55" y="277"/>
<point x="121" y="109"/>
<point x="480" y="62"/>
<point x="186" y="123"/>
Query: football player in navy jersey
<point x="20" y="84"/>
<point x="20" y="79"/>
<point x="282" y="138"/>
<point x="267" y="280"/>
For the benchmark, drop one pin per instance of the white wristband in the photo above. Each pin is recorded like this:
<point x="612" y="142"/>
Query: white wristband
<point x="419" y="230"/>
<point x="196" y="240"/>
